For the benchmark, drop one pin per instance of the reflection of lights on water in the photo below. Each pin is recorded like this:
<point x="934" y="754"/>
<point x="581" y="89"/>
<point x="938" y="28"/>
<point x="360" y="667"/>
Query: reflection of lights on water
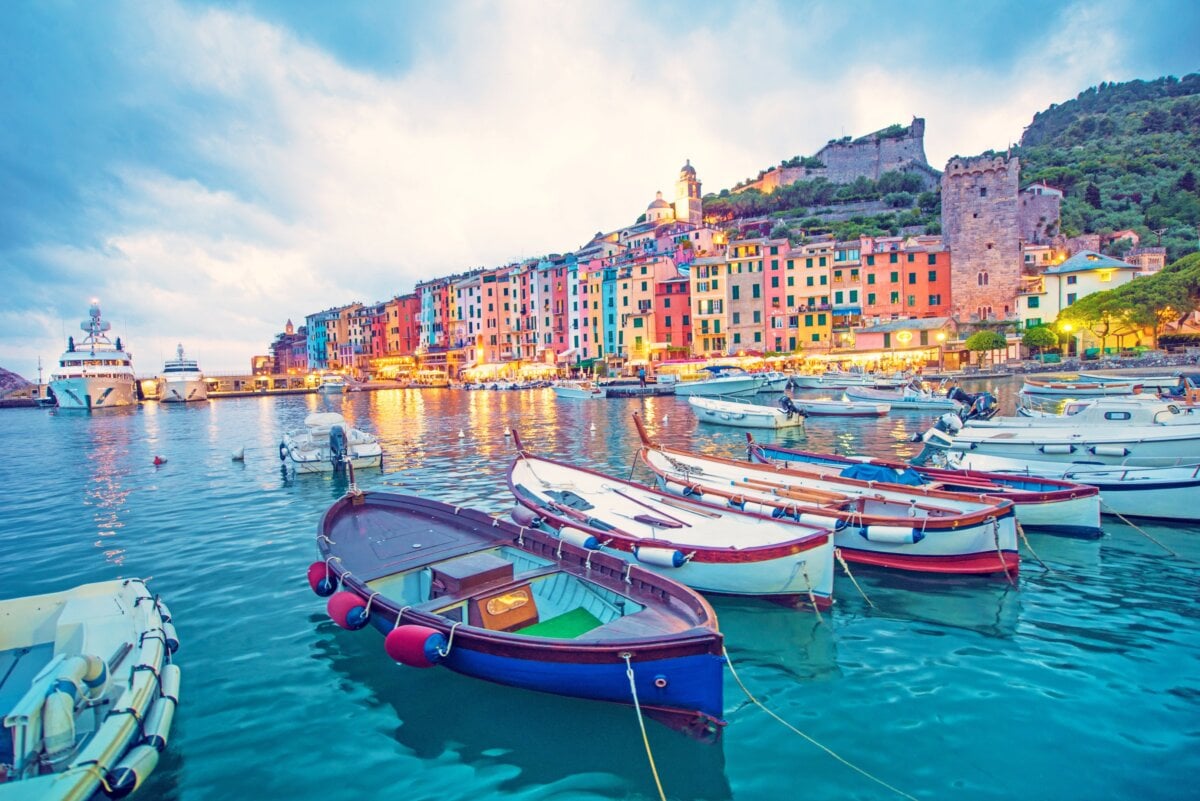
<point x="104" y="491"/>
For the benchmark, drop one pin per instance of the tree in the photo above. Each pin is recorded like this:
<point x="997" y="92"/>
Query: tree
<point x="1153" y="304"/>
<point x="1092" y="195"/>
<point x="988" y="341"/>
<point x="780" y="231"/>
<point x="1039" y="338"/>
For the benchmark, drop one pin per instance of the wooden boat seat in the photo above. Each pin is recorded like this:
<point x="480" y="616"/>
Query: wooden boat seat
<point x="645" y="623"/>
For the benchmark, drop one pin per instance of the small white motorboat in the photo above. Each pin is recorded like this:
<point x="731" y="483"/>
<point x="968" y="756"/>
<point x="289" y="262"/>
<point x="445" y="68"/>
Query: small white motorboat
<point x="87" y="691"/>
<point x="908" y="397"/>
<point x="578" y="390"/>
<point x="744" y="415"/>
<point x="773" y="381"/>
<point x="840" y="379"/>
<point x="332" y="384"/>
<point x="326" y="443"/>
<point x="835" y="407"/>
<point x="723" y="381"/>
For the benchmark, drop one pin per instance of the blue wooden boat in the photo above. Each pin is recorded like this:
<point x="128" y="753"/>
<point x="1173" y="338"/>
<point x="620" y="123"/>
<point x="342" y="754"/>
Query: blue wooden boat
<point x="486" y="598"/>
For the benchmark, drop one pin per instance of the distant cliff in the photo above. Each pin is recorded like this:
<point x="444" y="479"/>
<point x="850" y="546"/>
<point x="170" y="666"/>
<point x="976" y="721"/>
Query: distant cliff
<point x="11" y="382"/>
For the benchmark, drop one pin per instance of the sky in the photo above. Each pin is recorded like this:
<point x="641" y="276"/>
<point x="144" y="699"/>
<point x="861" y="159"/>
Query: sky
<point x="210" y="169"/>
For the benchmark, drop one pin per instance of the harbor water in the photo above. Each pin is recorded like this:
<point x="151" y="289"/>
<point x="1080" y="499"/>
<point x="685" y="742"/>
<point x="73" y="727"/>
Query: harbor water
<point x="1082" y="681"/>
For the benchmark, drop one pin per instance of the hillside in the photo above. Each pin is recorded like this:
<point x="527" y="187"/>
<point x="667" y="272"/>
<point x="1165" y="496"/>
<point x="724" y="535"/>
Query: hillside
<point x="11" y="382"/>
<point x="1127" y="155"/>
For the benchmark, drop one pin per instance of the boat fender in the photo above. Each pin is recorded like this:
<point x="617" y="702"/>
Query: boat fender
<point x="661" y="557"/>
<point x="164" y="611"/>
<point x="693" y="490"/>
<point x="170" y="637"/>
<point x="738" y="503"/>
<point x="524" y="516"/>
<point x="780" y="512"/>
<point x="1057" y="448"/>
<point x="158" y="724"/>
<point x="95" y="678"/>
<point x="415" y="646"/>
<point x="58" y="710"/>
<point x="348" y="610"/>
<point x="1109" y="450"/>
<point x="896" y="535"/>
<point x="580" y="538"/>
<point x="130" y="772"/>
<point x="321" y="580"/>
<point x="283" y="451"/>
<point x="822" y="521"/>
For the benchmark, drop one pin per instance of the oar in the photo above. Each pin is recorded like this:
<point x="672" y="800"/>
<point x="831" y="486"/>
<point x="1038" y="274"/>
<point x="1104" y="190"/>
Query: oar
<point x="645" y="506"/>
<point x="686" y="508"/>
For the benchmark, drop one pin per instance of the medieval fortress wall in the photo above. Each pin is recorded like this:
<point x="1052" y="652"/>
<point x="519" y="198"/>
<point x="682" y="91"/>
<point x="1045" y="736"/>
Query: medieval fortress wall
<point x="980" y="226"/>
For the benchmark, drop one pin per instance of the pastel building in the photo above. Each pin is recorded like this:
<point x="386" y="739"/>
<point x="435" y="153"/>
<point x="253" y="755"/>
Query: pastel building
<point x="710" y="328"/>
<point x="1041" y="298"/>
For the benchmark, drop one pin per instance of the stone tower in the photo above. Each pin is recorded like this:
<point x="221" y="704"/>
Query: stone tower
<point x="688" y="205"/>
<point x="980" y="227"/>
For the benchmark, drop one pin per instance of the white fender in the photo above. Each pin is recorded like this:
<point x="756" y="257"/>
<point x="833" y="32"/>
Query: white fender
<point x="580" y="538"/>
<point x="131" y="771"/>
<point x="162" y="713"/>
<point x="661" y="557"/>
<point x="1110" y="450"/>
<point x="1057" y="449"/>
<point x="900" y="535"/>
<point x="170" y="637"/>
<point x="820" y="521"/>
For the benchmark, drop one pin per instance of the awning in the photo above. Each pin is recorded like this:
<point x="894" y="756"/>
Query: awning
<point x="568" y="354"/>
<point x="587" y="364"/>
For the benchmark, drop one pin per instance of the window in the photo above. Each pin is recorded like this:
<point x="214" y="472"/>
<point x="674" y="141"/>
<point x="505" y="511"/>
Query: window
<point x="737" y="318"/>
<point x="638" y="322"/>
<point x="821" y="261"/>
<point x="1116" y="415"/>
<point x="982" y="278"/>
<point x="791" y="280"/>
<point x="736" y="292"/>
<point x="1033" y="302"/>
<point x="810" y="281"/>
<point x="932" y="276"/>
<point x="887" y="340"/>
<point x="775" y="282"/>
<point x="895" y="297"/>
<point x="854" y="296"/>
<point x="870" y="261"/>
<point x="870" y="298"/>
<point x="893" y="258"/>
<point x="935" y="300"/>
<point x="808" y="320"/>
<point x="791" y="301"/>
<point x="871" y="278"/>
<point x="758" y="336"/>
<point x="824" y="280"/>
<point x="756" y="290"/>
<point x="667" y="304"/>
<point x="837" y="297"/>
<point x="912" y="278"/>
<point x="1072" y="280"/>
<point x="983" y="191"/>
<point x="895" y="277"/>
<point x="820" y="319"/>
<point x="1071" y="298"/>
<point x="912" y="300"/>
<point x="667" y="322"/>
<point x="757" y="316"/>
<point x="816" y="337"/>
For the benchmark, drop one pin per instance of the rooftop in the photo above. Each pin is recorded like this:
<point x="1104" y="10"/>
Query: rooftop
<point x="1086" y="260"/>
<point x="921" y="324"/>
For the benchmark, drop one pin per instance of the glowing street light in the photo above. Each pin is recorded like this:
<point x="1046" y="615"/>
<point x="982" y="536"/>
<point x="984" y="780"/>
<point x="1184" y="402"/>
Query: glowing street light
<point x="1067" y="328"/>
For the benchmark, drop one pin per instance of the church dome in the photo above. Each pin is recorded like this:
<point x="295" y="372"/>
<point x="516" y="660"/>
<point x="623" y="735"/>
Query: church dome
<point x="658" y="203"/>
<point x="687" y="169"/>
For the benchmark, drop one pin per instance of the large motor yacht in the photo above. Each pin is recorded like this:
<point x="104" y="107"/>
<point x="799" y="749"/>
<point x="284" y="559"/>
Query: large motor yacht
<point x="181" y="380"/>
<point x="95" y="373"/>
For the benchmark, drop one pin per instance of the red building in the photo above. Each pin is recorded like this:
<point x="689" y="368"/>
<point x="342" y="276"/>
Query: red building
<point x="905" y="278"/>
<point x="672" y="317"/>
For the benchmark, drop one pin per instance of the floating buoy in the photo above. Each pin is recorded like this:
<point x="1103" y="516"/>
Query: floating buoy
<point x="666" y="417"/>
<point x="321" y="579"/>
<point x="415" y="646"/>
<point x="593" y="427"/>
<point x="347" y="610"/>
<point x="507" y="433"/>
<point x="461" y="433"/>
<point x="239" y="455"/>
<point x="159" y="460"/>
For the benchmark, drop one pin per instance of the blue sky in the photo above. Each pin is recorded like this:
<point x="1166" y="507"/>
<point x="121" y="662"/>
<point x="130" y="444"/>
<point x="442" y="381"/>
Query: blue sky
<point x="210" y="169"/>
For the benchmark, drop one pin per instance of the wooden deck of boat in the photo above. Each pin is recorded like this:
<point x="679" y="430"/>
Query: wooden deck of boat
<point x="380" y="538"/>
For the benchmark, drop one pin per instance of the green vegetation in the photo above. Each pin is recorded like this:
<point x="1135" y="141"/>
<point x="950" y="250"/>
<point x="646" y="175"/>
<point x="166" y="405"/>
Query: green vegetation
<point x="1039" y="338"/>
<point x="1144" y="303"/>
<point x="986" y="342"/>
<point x="1126" y="156"/>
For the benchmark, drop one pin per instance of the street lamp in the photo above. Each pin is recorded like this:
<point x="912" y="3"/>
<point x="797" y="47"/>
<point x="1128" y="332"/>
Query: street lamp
<point x="941" y="338"/>
<point x="1067" y="328"/>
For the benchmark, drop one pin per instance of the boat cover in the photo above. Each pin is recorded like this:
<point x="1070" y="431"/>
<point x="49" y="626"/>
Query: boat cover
<point x="878" y="472"/>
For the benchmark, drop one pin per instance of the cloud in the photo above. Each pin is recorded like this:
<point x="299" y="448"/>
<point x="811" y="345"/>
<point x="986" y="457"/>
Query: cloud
<point x="215" y="170"/>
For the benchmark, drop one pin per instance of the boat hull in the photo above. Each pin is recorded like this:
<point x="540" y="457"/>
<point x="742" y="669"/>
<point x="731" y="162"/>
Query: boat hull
<point x="742" y="415"/>
<point x="575" y="393"/>
<point x="1079" y="390"/>
<point x="182" y="391"/>
<point x="898" y="400"/>
<point x="837" y="408"/>
<point x="717" y="387"/>
<point x="1049" y="445"/>
<point x="94" y="393"/>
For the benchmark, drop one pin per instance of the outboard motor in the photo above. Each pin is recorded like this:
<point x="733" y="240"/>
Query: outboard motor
<point x="338" y="450"/>
<point x="938" y="438"/>
<point x="789" y="408"/>
<point x="980" y="406"/>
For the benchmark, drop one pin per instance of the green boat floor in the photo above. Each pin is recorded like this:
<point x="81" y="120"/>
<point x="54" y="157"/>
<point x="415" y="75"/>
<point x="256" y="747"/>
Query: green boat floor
<point x="566" y="626"/>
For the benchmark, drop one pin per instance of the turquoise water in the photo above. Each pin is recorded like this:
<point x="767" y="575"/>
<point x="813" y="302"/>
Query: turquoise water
<point x="1083" y="682"/>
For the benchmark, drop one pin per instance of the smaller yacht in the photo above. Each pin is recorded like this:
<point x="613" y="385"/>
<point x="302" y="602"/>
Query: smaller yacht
<point x="181" y="380"/>
<point x="326" y="443"/>
<point x="95" y="373"/>
<point x="332" y="384"/>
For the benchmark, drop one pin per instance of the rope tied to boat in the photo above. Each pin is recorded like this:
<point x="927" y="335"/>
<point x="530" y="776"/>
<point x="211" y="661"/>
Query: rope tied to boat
<point x="733" y="672"/>
<point x="449" y="641"/>
<point x="323" y="537"/>
<point x="842" y="560"/>
<point x="1136" y="528"/>
<point x="628" y="572"/>
<point x="812" y="596"/>
<point x="999" y="552"/>
<point x="94" y="765"/>
<point x="637" y="706"/>
<point x="1033" y="553"/>
<point x="367" y="609"/>
<point x="400" y="614"/>
<point x="521" y="537"/>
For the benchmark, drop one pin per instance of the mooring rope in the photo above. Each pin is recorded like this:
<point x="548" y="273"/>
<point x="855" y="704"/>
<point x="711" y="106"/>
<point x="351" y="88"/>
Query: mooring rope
<point x="1033" y="553"/>
<point x="1000" y="551"/>
<point x="1137" y="528"/>
<point x="841" y="559"/>
<point x="812" y="598"/>
<point x="642" y="723"/>
<point x="824" y="748"/>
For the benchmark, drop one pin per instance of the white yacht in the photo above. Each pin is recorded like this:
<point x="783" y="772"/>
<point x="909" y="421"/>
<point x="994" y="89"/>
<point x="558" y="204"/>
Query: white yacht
<point x="332" y="384"/>
<point x="181" y="380"/>
<point x="95" y="373"/>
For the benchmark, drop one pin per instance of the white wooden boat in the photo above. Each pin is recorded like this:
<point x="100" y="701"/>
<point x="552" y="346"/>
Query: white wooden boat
<point x="724" y="381"/>
<point x="1050" y="504"/>
<point x="326" y="443"/>
<point x="886" y="525"/>
<point x="1078" y="389"/>
<point x="1167" y="491"/>
<point x="840" y="379"/>
<point x="577" y="390"/>
<point x="1104" y="430"/>
<point x="907" y="397"/>
<point x="744" y="415"/>
<point x="87" y="691"/>
<point x="1148" y="383"/>
<point x="834" y="407"/>
<point x="713" y="550"/>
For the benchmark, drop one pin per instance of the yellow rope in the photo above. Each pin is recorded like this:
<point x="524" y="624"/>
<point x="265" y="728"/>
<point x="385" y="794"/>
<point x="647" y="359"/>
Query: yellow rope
<point x="1033" y="553"/>
<point x="838" y="553"/>
<point x="999" y="552"/>
<point x="1136" y="528"/>
<point x="646" y="740"/>
<point x="812" y="598"/>
<point x="827" y="750"/>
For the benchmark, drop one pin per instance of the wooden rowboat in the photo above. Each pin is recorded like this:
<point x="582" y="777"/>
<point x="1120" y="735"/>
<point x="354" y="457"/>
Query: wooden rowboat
<point x="833" y="407"/>
<point x="1079" y="389"/>
<point x="516" y="606"/>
